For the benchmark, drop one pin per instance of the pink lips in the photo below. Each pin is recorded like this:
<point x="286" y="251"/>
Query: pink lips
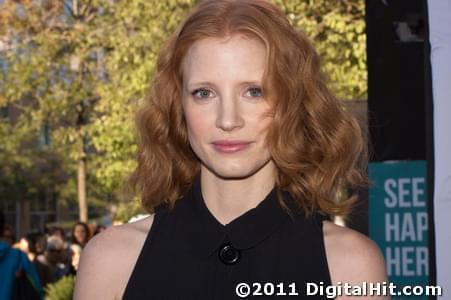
<point x="230" y="146"/>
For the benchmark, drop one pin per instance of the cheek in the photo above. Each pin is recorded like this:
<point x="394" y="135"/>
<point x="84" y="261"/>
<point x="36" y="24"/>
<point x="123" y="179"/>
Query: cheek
<point x="261" y="125"/>
<point x="258" y="117"/>
<point x="197" y="123"/>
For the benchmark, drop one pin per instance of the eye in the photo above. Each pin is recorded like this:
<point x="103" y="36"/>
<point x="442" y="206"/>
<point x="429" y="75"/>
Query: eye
<point x="201" y="93"/>
<point x="254" y="92"/>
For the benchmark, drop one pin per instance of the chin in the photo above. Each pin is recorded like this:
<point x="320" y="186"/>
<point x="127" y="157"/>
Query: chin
<point x="232" y="174"/>
<point x="235" y="171"/>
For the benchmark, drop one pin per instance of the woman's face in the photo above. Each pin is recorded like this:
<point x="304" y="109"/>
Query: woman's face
<point x="227" y="116"/>
<point x="80" y="233"/>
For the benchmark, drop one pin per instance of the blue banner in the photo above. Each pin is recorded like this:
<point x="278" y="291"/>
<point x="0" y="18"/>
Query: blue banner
<point x="398" y="220"/>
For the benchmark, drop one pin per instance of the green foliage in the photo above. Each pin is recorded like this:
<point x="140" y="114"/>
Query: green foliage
<point x="337" y="29"/>
<point x="127" y="210"/>
<point x="63" y="289"/>
<point x="27" y="166"/>
<point x="132" y="32"/>
<point x="83" y="72"/>
<point x="49" y="77"/>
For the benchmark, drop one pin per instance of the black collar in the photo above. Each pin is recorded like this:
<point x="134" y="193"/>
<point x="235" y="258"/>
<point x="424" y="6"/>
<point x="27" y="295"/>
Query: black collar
<point x="199" y="231"/>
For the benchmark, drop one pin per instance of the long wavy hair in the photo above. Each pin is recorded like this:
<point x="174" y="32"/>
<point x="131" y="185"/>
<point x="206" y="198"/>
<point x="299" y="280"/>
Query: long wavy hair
<point x="317" y="147"/>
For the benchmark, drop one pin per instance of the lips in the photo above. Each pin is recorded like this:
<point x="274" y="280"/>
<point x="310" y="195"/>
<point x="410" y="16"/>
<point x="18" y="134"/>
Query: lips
<point x="226" y="146"/>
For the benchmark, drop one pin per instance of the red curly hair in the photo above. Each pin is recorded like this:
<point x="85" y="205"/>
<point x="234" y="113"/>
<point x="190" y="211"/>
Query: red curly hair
<point x="316" y="145"/>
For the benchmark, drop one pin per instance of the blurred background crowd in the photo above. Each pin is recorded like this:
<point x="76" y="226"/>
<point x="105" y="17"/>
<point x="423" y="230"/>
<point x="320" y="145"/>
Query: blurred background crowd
<point x="45" y="256"/>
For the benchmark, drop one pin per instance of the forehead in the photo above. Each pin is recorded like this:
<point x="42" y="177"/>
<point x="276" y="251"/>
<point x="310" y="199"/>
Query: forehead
<point x="238" y="57"/>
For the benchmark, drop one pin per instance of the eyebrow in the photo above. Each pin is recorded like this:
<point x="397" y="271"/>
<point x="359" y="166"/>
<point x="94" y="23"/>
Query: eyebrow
<point x="208" y="83"/>
<point x="200" y="83"/>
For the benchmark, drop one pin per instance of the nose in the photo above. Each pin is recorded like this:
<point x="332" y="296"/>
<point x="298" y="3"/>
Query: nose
<point x="229" y="116"/>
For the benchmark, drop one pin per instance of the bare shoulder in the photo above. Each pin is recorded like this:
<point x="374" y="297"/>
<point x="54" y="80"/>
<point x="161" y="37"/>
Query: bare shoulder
<point x="108" y="259"/>
<point x="352" y="257"/>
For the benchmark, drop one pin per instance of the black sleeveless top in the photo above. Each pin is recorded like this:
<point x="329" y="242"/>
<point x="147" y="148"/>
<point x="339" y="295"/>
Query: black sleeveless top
<point x="188" y="254"/>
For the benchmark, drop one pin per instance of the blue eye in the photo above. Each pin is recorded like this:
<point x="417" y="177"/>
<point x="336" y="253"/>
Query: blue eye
<point x="201" y="93"/>
<point x="255" y="92"/>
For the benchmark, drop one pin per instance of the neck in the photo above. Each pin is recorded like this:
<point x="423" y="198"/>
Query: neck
<point x="227" y="199"/>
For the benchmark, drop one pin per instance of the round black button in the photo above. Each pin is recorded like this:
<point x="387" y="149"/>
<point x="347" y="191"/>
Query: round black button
<point x="229" y="255"/>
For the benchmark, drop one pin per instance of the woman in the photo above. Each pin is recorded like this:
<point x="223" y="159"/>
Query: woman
<point x="80" y="234"/>
<point x="242" y="151"/>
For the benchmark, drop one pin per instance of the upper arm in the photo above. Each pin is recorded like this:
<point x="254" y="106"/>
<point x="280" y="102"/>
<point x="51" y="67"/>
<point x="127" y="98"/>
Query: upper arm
<point x="94" y="275"/>
<point x="353" y="258"/>
<point x="107" y="261"/>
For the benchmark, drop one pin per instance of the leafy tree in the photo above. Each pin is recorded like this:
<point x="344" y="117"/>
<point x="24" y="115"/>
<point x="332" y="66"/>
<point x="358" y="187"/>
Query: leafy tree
<point x="54" y="72"/>
<point x="338" y="31"/>
<point x="29" y="170"/>
<point x="82" y="67"/>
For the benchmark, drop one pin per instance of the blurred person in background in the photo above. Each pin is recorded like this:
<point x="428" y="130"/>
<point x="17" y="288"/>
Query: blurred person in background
<point x="53" y="265"/>
<point x="80" y="234"/>
<point x="75" y="259"/>
<point x="37" y="245"/>
<point x="57" y="231"/>
<point x="19" y="278"/>
<point x="28" y="244"/>
<point x="51" y="260"/>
